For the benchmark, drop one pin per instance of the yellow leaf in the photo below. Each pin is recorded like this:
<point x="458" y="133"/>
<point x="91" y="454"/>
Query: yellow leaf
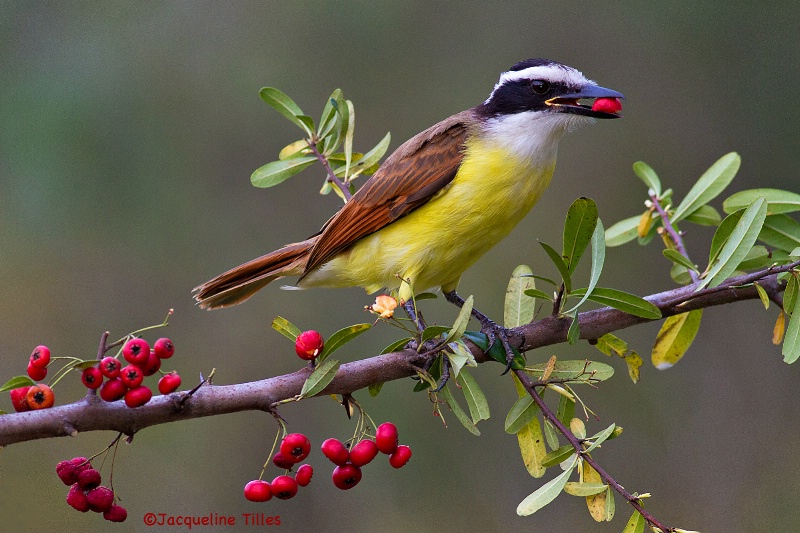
<point x="634" y="361"/>
<point x="674" y="338"/>
<point x="644" y="224"/>
<point x="597" y="502"/>
<point x="531" y="440"/>
<point x="779" y="329"/>
<point x="551" y="364"/>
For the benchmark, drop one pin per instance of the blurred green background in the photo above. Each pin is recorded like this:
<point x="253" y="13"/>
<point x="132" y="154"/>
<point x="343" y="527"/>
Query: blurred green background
<point x="128" y="132"/>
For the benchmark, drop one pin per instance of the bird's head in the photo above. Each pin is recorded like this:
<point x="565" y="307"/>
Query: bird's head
<point x="545" y="87"/>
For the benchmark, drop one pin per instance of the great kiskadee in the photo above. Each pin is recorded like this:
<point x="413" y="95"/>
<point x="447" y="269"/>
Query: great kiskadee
<point x="441" y="200"/>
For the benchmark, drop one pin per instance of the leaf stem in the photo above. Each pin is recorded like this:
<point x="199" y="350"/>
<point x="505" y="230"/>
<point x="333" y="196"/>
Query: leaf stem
<point x="332" y="178"/>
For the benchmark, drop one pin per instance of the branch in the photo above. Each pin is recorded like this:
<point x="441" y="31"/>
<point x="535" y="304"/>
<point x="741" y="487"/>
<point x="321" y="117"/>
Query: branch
<point x="93" y="414"/>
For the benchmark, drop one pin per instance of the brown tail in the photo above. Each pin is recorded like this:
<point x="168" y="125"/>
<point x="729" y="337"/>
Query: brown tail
<point x="240" y="283"/>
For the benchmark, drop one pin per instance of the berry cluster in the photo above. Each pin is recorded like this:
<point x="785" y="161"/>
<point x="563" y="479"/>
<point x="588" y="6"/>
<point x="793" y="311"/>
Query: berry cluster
<point x="126" y="382"/>
<point x="85" y="492"/>
<point x="294" y="448"/>
<point x="38" y="396"/>
<point x="347" y="473"/>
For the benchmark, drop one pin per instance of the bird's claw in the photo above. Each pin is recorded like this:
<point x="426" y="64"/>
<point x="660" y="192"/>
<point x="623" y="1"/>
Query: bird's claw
<point x="494" y="333"/>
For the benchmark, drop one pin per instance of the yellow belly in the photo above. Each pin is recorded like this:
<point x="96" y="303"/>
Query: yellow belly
<point x="433" y="245"/>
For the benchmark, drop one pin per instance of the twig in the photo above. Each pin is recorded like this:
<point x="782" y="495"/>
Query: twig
<point x="333" y="178"/>
<point x="672" y="233"/>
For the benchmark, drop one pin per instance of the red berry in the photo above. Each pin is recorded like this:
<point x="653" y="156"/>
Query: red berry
<point x="131" y="376"/>
<point x="138" y="396"/>
<point x="334" y="450"/>
<point x="67" y="471"/>
<point x="281" y="462"/>
<point x="136" y="351"/>
<point x="363" y="452"/>
<point x="386" y="438"/>
<point x="110" y="367"/>
<point x="152" y="365"/>
<point x="89" y="479"/>
<point x="169" y="383"/>
<point x="607" y="105"/>
<point x="40" y="357"/>
<point x="303" y="475"/>
<point x="400" y="456"/>
<point x="346" y="477"/>
<point x="40" y="397"/>
<point x="37" y="373"/>
<point x="113" y="390"/>
<point x="283" y="487"/>
<point x="164" y="348"/>
<point x="76" y="498"/>
<point x="308" y="345"/>
<point x="257" y="491"/>
<point x="116" y="513"/>
<point x="92" y="378"/>
<point x="100" y="499"/>
<point x="19" y="402"/>
<point x="295" y="447"/>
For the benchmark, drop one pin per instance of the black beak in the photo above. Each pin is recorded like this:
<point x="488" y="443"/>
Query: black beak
<point x="569" y="103"/>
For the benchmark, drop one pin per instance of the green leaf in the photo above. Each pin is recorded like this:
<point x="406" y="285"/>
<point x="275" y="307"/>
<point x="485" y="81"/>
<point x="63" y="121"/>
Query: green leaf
<point x="598" y="257"/>
<point x="558" y="261"/>
<point x="680" y="275"/>
<point x="342" y="337"/>
<point x="780" y="231"/>
<point x="610" y="344"/>
<point x="550" y="435"/>
<point x="374" y="156"/>
<point x="375" y="388"/>
<point x="348" y="136"/>
<point x="460" y="325"/>
<point x="558" y="456"/>
<point x="737" y="246"/>
<point x="790" y="294"/>
<point x="566" y="410"/>
<point x="778" y="201"/>
<point x="635" y="523"/>
<point x="536" y="293"/>
<point x="546" y="493"/>
<point x="709" y="186"/>
<point x="762" y="295"/>
<point x="459" y="357"/>
<point x="648" y="176"/>
<point x="433" y="331"/>
<point x="791" y="341"/>
<point x="17" y="382"/>
<point x="294" y="149"/>
<point x="574" y="371"/>
<point x="674" y="338"/>
<point x="609" y="504"/>
<point x="277" y="172"/>
<point x="721" y="235"/>
<point x="496" y="352"/>
<point x="624" y="301"/>
<point x="574" y="488"/>
<point x="523" y="411"/>
<point x="396" y="346"/>
<point x="476" y="400"/>
<point x="679" y="259"/>
<point x="284" y="105"/>
<point x="83" y="365"/>
<point x="286" y="328"/>
<point x="320" y="378"/>
<point x="622" y="232"/>
<point x="458" y="411"/>
<point x="425" y="296"/>
<point x="328" y="119"/>
<point x="519" y="308"/>
<point x="530" y="439"/>
<point x="705" y="215"/>
<point x="600" y="437"/>
<point x="574" y="331"/>
<point x="758" y="257"/>
<point x="578" y="229"/>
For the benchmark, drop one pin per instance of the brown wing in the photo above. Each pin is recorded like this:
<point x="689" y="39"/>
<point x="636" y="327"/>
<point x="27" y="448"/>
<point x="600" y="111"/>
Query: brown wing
<point x="408" y="178"/>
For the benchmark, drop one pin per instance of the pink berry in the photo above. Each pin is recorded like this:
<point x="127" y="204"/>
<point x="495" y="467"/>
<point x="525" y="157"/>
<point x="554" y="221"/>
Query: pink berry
<point x="76" y="498"/>
<point x="164" y="348"/>
<point x="152" y="365"/>
<point x="607" y="105"/>
<point x="110" y="367"/>
<point x="131" y="376"/>
<point x="281" y="462"/>
<point x="386" y="438"/>
<point x="283" y="487"/>
<point x="169" y="383"/>
<point x="89" y="479"/>
<point x="40" y="357"/>
<point x="116" y="513"/>
<point x="308" y="345"/>
<point x="37" y="373"/>
<point x="92" y="378"/>
<point x="19" y="402"/>
<point x="100" y="499"/>
<point x="138" y="396"/>
<point x="113" y="390"/>
<point x="257" y="491"/>
<point x="363" y="452"/>
<point x="303" y="475"/>
<point x="400" y="456"/>
<point x="346" y="477"/>
<point x="295" y="447"/>
<point x="334" y="450"/>
<point x="136" y="351"/>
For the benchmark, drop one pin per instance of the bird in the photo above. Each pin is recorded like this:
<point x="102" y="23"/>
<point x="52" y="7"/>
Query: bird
<point x="441" y="200"/>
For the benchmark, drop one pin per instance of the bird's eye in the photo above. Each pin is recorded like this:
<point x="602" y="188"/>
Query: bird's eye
<point x="540" y="86"/>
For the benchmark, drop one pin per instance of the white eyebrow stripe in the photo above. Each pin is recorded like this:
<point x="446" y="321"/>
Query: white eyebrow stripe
<point x="555" y="73"/>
